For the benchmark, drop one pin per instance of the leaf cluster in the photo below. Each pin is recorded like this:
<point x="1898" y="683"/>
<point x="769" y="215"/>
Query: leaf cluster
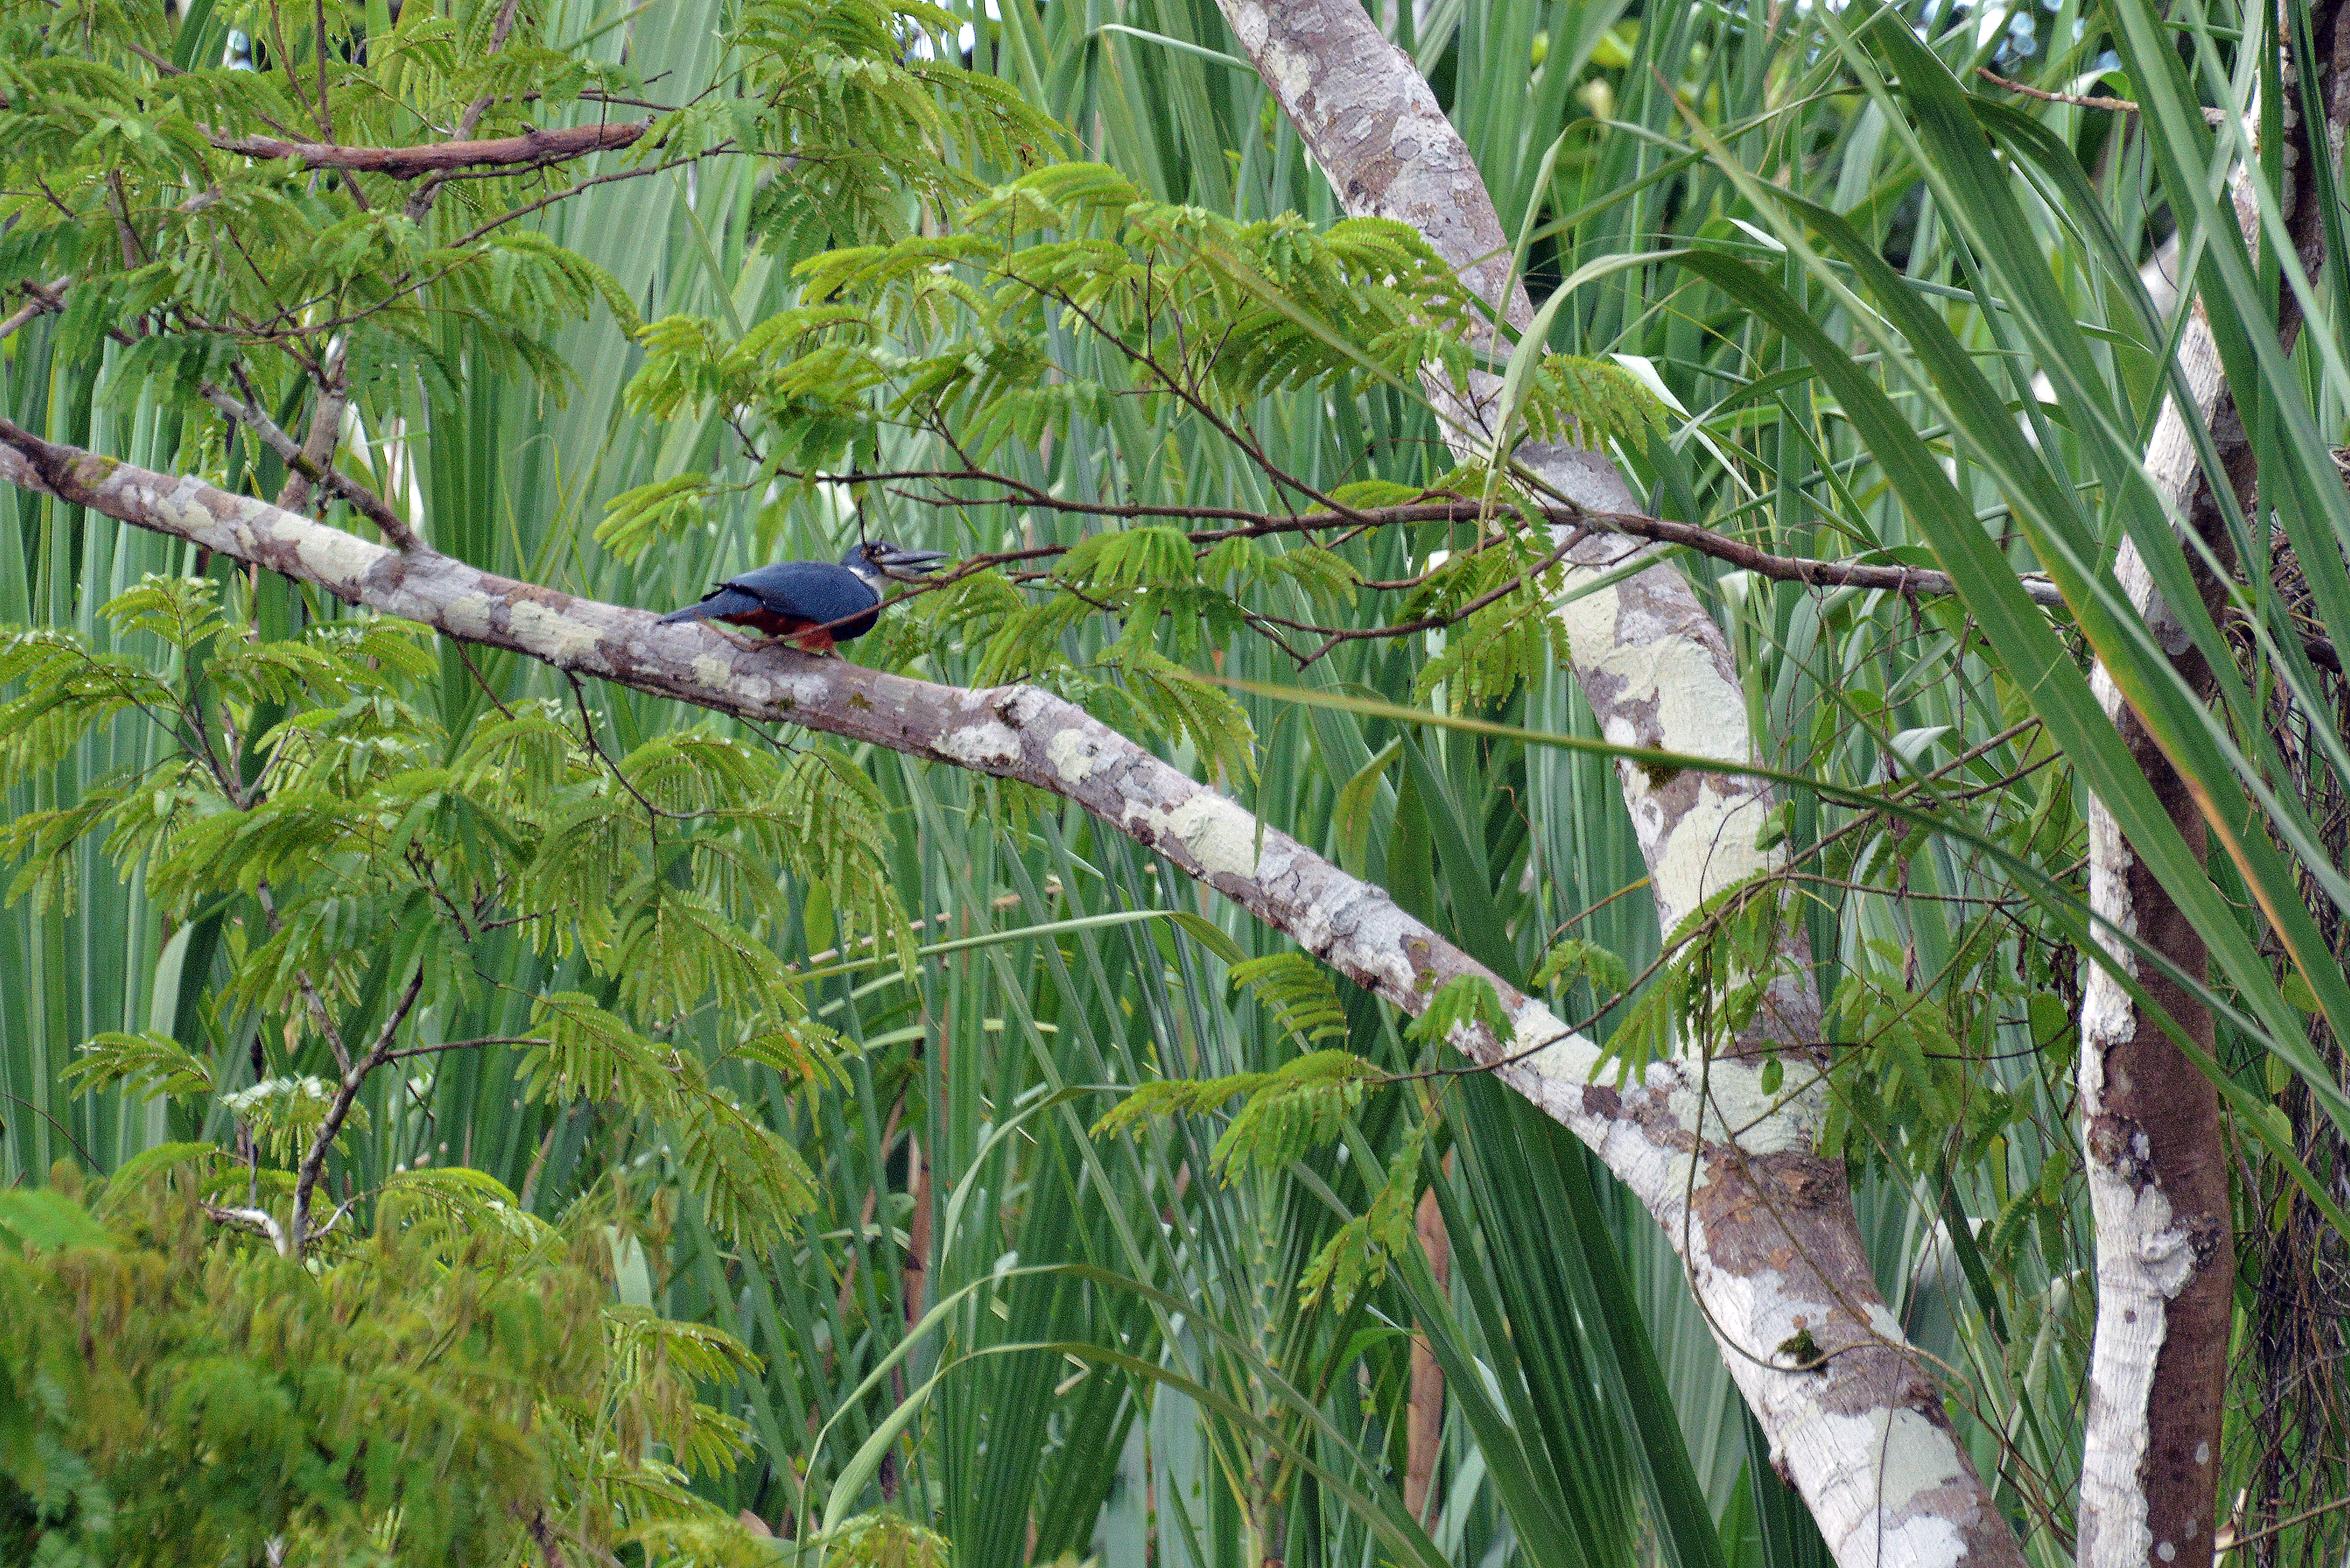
<point x="968" y="327"/>
<point x="351" y="850"/>
<point x="1284" y="1113"/>
<point x="1064" y="300"/>
<point x="170" y="1393"/>
<point x="1726" y="961"/>
<point x="1299" y="993"/>
<point x="1355" y="1257"/>
<point x="132" y="172"/>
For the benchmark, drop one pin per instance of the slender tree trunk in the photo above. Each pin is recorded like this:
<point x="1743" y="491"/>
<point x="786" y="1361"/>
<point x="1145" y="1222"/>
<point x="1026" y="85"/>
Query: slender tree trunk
<point x="2150" y="1124"/>
<point x="918" y="1231"/>
<point x="2156" y="1169"/>
<point x="1424" y="1412"/>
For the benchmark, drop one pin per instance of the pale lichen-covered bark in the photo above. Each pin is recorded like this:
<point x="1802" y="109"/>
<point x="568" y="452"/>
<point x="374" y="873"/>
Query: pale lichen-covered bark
<point x="1769" y="1239"/>
<point x="2156" y="1163"/>
<point x="1767" y="1226"/>
<point x="1655" y="668"/>
<point x="2150" y="1126"/>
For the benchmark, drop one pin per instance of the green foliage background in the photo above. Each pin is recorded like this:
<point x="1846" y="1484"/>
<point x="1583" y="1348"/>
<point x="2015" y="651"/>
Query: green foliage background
<point x="832" y="1037"/>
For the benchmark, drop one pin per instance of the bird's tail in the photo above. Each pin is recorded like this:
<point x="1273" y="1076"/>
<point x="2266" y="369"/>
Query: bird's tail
<point x="719" y="604"/>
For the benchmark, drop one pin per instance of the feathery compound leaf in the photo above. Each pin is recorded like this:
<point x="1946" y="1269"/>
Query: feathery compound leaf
<point x="1355" y="1259"/>
<point x="1304" y="1105"/>
<point x="529" y="754"/>
<point x="681" y="948"/>
<point x="44" y="841"/>
<point x="1173" y="701"/>
<point x="69" y="693"/>
<point x="588" y="1055"/>
<point x="636" y="520"/>
<point x="798" y="1048"/>
<point x="1287" y="1112"/>
<point x="456" y="1206"/>
<point x="751" y="1184"/>
<point x="285" y="1114"/>
<point x="1126" y="558"/>
<point x="888" y="1541"/>
<point x="182" y="611"/>
<point x="823" y="822"/>
<point x="1298" y="991"/>
<point x="1464" y="1002"/>
<point x="1590" y="402"/>
<point x="1371" y="494"/>
<point x="1509" y="640"/>
<point x="1724" y="965"/>
<point x="146" y="1064"/>
<point x="1574" y="959"/>
<point x="201" y="1160"/>
<point x="1175" y="1096"/>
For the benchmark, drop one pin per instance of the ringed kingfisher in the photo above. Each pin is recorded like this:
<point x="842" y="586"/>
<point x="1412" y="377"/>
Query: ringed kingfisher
<point x="813" y="603"/>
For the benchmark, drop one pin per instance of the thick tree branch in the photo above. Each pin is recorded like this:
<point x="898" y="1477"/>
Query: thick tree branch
<point x="255" y="1220"/>
<point x="420" y="201"/>
<point x="533" y="150"/>
<point x="1655" y="668"/>
<point x="1766" y="1224"/>
<point x="319" y="449"/>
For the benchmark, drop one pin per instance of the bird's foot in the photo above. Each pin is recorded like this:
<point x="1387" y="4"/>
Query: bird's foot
<point x="747" y="644"/>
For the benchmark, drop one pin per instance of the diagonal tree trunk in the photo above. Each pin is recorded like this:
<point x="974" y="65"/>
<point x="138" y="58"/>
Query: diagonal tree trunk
<point x="2156" y="1166"/>
<point x="1659" y="673"/>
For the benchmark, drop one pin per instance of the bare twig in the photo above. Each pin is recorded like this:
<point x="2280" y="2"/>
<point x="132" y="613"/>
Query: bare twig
<point x="63" y="1131"/>
<point x="373" y="507"/>
<point x="576" y="186"/>
<point x="2114" y="105"/>
<point x="43" y="302"/>
<point x="407" y="1051"/>
<point x="318" y="1004"/>
<point x="314" y="1159"/>
<point x="538" y="1160"/>
<point x="533" y="150"/>
<point x="484" y="685"/>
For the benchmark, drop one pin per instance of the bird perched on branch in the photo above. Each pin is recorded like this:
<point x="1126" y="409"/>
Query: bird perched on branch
<point x="813" y="603"/>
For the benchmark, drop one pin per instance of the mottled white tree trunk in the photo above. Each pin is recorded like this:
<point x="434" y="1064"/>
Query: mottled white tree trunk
<point x="2150" y="1126"/>
<point x="1771" y="1240"/>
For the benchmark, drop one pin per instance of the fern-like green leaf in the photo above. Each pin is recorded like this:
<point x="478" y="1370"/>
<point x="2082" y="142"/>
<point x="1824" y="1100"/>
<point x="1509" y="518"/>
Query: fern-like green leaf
<point x="145" y="1064"/>
<point x="1303" y="1001"/>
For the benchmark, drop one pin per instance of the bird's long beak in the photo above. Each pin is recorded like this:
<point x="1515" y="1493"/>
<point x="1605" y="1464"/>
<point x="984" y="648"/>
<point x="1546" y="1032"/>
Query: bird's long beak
<point x="912" y="562"/>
